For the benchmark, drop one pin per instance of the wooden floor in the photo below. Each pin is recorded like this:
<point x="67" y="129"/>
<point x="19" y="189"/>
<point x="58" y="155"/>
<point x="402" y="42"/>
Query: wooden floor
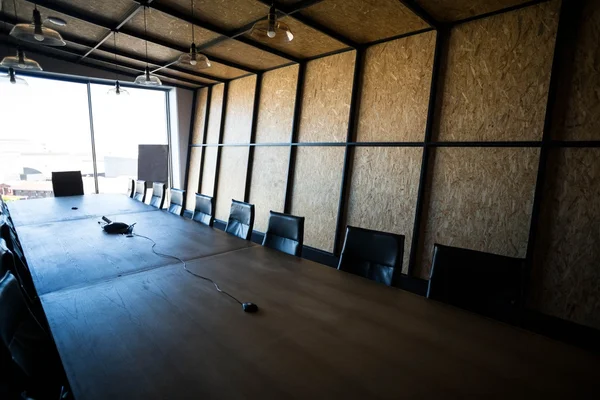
<point x="157" y="332"/>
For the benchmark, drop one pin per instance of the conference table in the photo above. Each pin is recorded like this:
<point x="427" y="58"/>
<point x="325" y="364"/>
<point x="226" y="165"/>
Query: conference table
<point x="130" y="324"/>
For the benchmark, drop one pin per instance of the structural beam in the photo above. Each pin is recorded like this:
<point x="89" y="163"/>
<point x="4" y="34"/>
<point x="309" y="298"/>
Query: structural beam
<point x="421" y="13"/>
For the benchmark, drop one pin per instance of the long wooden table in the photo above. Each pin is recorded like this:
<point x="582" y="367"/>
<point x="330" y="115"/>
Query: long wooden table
<point x="157" y="332"/>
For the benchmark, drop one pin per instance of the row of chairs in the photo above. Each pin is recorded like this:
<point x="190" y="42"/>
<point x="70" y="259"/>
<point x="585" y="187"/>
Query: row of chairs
<point x="485" y="283"/>
<point x="28" y="358"/>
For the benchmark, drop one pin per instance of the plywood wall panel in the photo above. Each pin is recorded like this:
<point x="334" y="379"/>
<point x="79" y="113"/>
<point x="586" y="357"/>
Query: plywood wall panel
<point x="238" y="116"/>
<point x="577" y="109"/>
<point x="232" y="179"/>
<point x="383" y="191"/>
<point x="326" y="102"/>
<point x="208" y="172"/>
<point x="243" y="54"/>
<point x="316" y="193"/>
<point x="200" y="116"/>
<point x="496" y="80"/>
<point x="567" y="277"/>
<point x="215" y="112"/>
<point x="276" y="108"/>
<point x="193" y="177"/>
<point x="481" y="199"/>
<point x="395" y="92"/>
<point x="455" y="10"/>
<point x="268" y="184"/>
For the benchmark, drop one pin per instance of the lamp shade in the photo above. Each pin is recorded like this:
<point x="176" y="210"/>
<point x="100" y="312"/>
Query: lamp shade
<point x="147" y="79"/>
<point x="36" y="33"/>
<point x="117" y="90"/>
<point x="273" y="31"/>
<point x="11" y="78"/>
<point x="20" y="61"/>
<point x="195" y="59"/>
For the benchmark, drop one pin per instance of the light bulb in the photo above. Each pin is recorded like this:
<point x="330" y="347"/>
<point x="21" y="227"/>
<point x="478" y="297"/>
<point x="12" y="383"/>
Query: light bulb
<point x="271" y="33"/>
<point x="194" y="59"/>
<point x="39" y="37"/>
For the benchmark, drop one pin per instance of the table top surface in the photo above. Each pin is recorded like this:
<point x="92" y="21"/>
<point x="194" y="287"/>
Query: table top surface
<point x="162" y="333"/>
<point x="56" y="209"/>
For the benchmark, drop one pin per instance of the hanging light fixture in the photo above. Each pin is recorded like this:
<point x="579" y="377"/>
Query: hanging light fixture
<point x="35" y="32"/>
<point x="117" y="91"/>
<point x="21" y="62"/>
<point x="147" y="79"/>
<point x="193" y="58"/>
<point x="11" y="78"/>
<point x="271" y="29"/>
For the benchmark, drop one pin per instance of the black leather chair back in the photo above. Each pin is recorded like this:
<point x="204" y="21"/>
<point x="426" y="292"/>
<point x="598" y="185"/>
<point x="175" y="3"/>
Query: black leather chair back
<point x="203" y="212"/>
<point x="131" y="188"/>
<point x="285" y="233"/>
<point x="177" y="204"/>
<point x="67" y="183"/>
<point x="485" y="283"/>
<point x="17" y="263"/>
<point x="7" y="262"/>
<point x="372" y="254"/>
<point x="158" y="195"/>
<point x="241" y="219"/>
<point x="140" y="191"/>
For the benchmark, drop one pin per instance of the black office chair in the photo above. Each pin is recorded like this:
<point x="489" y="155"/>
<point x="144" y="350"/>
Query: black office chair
<point x="27" y="343"/>
<point x="203" y="212"/>
<point x="484" y="283"/>
<point x="158" y="195"/>
<point x="177" y="204"/>
<point x="131" y="188"/>
<point x="241" y="219"/>
<point x="140" y="191"/>
<point x="9" y="243"/>
<point x="373" y="255"/>
<point x="285" y="233"/>
<point x="67" y="183"/>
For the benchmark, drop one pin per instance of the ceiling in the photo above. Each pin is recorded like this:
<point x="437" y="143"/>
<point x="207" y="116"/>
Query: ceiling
<point x="222" y="29"/>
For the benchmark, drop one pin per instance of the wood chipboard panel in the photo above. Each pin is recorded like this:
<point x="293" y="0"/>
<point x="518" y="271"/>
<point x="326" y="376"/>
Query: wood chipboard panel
<point x="216" y="70"/>
<point x="114" y="10"/>
<point x="577" y="108"/>
<point x="276" y="107"/>
<point x="316" y="193"/>
<point x="268" y="184"/>
<point x="246" y="55"/>
<point x="496" y="78"/>
<point x="232" y="179"/>
<point x="395" y="91"/>
<point x="326" y="100"/>
<point x="566" y="274"/>
<point x="200" y="116"/>
<point x="209" y="171"/>
<point x="480" y="199"/>
<point x="193" y="177"/>
<point x="228" y="14"/>
<point x="383" y="191"/>
<point x="214" y="114"/>
<point x="137" y="47"/>
<point x="455" y="10"/>
<point x="238" y="116"/>
<point x="366" y="20"/>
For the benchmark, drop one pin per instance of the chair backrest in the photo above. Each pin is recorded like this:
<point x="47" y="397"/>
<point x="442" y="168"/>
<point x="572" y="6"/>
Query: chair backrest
<point x="158" y="195"/>
<point x="140" y="191"/>
<point x="203" y="211"/>
<point x="285" y="233"/>
<point x="9" y="241"/>
<point x="131" y="188"/>
<point x="67" y="183"/>
<point x="177" y="204"/>
<point x="241" y="219"/>
<point x="372" y="254"/>
<point x="7" y="262"/>
<point x="485" y="283"/>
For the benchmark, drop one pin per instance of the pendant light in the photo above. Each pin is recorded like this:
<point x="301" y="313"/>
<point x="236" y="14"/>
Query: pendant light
<point x="193" y="58"/>
<point x="11" y="78"/>
<point x="271" y="29"/>
<point x="21" y="62"/>
<point x="147" y="79"/>
<point x="35" y="32"/>
<point x="117" y="91"/>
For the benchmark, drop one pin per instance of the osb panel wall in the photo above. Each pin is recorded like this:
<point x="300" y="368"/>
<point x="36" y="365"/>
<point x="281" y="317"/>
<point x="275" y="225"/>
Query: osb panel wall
<point x="238" y="117"/>
<point x="383" y="191"/>
<point x="496" y="80"/>
<point x="214" y="114"/>
<point x="395" y="91"/>
<point x="232" y="179"/>
<point x="567" y="277"/>
<point x="200" y="116"/>
<point x="326" y="100"/>
<point x="455" y="10"/>
<point x="316" y="193"/>
<point x="276" y="107"/>
<point x="208" y="173"/>
<point x="193" y="177"/>
<point x="480" y="199"/>
<point x="268" y="184"/>
<point x="578" y="107"/>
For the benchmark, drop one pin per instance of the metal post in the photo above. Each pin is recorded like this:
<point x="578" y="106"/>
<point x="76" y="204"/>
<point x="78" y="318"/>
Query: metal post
<point x="91" y="116"/>
<point x="204" y="134"/>
<point x="221" y="132"/>
<point x="257" y="92"/>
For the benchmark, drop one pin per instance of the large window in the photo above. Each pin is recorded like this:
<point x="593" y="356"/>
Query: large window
<point x="46" y="128"/>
